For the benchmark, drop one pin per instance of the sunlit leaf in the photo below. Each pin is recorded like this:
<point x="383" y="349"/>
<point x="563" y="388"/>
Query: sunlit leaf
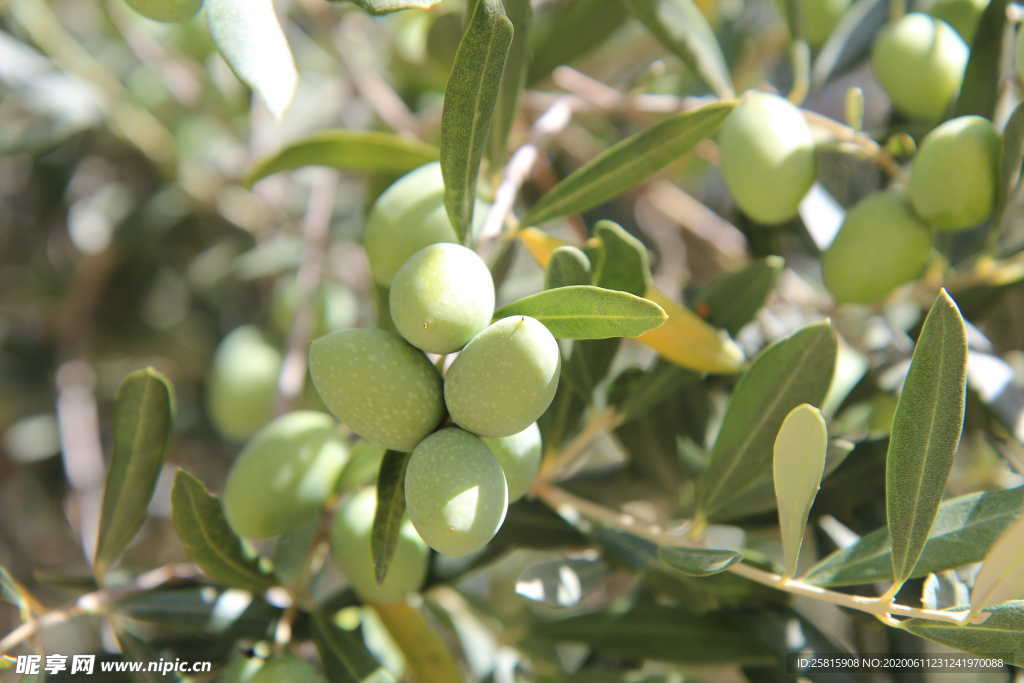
<point x="587" y="312"/>
<point x="797" y="467"/>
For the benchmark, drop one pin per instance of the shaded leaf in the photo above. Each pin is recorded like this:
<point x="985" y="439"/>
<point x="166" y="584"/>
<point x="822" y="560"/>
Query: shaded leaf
<point x="343" y="654"/>
<point x="587" y="312"/>
<point x="349" y="150"/>
<point x="1009" y="171"/>
<point x="850" y="40"/>
<point x="1001" y="577"/>
<point x="1002" y="634"/>
<point x="621" y="261"/>
<point x="561" y="583"/>
<point x="135" y="649"/>
<point x="797" y="467"/>
<point x="628" y="163"/>
<point x="636" y="393"/>
<point x="390" y="511"/>
<point x="248" y="35"/>
<point x="733" y="300"/>
<point x="387" y="6"/>
<point x="980" y="88"/>
<point x="208" y="539"/>
<point x="568" y="266"/>
<point x="683" y="30"/>
<point x="588" y="365"/>
<point x="698" y="561"/>
<point x="570" y="30"/>
<point x="143" y="419"/>
<point x="796" y="370"/>
<point x="205" y="609"/>
<point x="520" y="14"/>
<point x="469" y="100"/>
<point x="925" y="433"/>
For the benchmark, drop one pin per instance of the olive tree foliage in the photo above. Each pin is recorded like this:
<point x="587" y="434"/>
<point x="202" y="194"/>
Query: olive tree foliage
<point x="530" y="340"/>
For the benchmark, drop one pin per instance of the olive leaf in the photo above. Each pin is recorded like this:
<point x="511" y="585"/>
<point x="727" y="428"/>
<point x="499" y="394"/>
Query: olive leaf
<point x="981" y="81"/>
<point x="797" y="467"/>
<point x="390" y="511"/>
<point x="388" y="6"/>
<point x="732" y="300"/>
<point x="568" y="31"/>
<point x="1001" y="577"/>
<point x="1009" y="171"/>
<point x="568" y="266"/>
<point x="344" y="656"/>
<point x="587" y="312"/>
<point x="999" y="637"/>
<point x="621" y="261"/>
<point x="698" y="561"/>
<point x="520" y="13"/>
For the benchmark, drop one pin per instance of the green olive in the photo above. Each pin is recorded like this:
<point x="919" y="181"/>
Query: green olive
<point x="166" y="10"/>
<point x="920" y="62"/>
<point x="962" y="15"/>
<point x="334" y="307"/>
<point x="284" y="474"/>
<point x="504" y="379"/>
<point x="242" y="385"/>
<point x="442" y="297"/>
<point x="519" y="456"/>
<point x="767" y="157"/>
<point x="955" y="173"/>
<point x="881" y="245"/>
<point x="456" y="492"/>
<point x="818" y="18"/>
<point x="287" y="668"/>
<point x="351" y="548"/>
<point x="381" y="387"/>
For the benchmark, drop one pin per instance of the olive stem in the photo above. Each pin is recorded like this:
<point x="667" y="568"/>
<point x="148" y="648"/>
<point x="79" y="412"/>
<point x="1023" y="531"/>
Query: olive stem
<point x="871" y="149"/>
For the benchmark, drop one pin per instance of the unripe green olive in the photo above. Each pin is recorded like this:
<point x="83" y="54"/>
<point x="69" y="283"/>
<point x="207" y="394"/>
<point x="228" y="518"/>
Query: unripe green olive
<point x="920" y="62"/>
<point x="519" y="456"/>
<point x="243" y="383"/>
<point x="881" y="245"/>
<point x="962" y="15"/>
<point x="287" y="669"/>
<point x="455" y="491"/>
<point x="166" y="10"/>
<point x="284" y="474"/>
<point x="381" y="387"/>
<point x="818" y="18"/>
<point x="351" y="548"/>
<point x="504" y="379"/>
<point x="441" y="297"/>
<point x="955" y="172"/>
<point x="334" y="307"/>
<point x="767" y="157"/>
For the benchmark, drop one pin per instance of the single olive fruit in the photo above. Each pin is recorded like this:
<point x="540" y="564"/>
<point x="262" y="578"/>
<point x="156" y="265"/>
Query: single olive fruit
<point x="519" y="456"/>
<point x="242" y="385"/>
<point x="962" y="15"/>
<point x="504" y="379"/>
<point x="767" y="157"/>
<point x="455" y="491"/>
<point x="818" y="18"/>
<point x="881" y="244"/>
<point x="920" y="62"/>
<point x="441" y="297"/>
<point x="351" y="548"/>
<point x="334" y="307"/>
<point x="382" y="388"/>
<point x="284" y="474"/>
<point x="166" y="10"/>
<point x="955" y="172"/>
<point x="287" y="668"/>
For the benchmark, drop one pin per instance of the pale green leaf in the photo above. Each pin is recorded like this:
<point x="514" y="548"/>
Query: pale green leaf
<point x="143" y="418"/>
<point x="698" y="561"/>
<point x="1001" y="577"/>
<point x="629" y="162"/>
<point x="248" y="35"/>
<point x="520" y="14"/>
<point x="567" y="266"/>
<point x="469" y="100"/>
<point x="925" y="433"/>
<point x="797" y="467"/>
<point x="388" y="6"/>
<point x="587" y="312"/>
<point x="1000" y="636"/>
<point x="388" y="517"/>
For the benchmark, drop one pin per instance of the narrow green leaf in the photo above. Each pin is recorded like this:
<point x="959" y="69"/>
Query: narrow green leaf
<point x="570" y="29"/>
<point x="388" y="6"/>
<point x="1001" y="635"/>
<point x="925" y="433"/>
<point x="520" y="14"/>
<point x="469" y="100"/>
<point x="344" y="657"/>
<point x="698" y="561"/>
<point x="143" y="418"/>
<point x="796" y="370"/>
<point x="133" y="648"/>
<point x="1001" y="577"/>
<point x="621" y="262"/>
<point x="248" y="35"/>
<point x="850" y="40"/>
<point x="681" y="27"/>
<point x="203" y="610"/>
<point x="568" y="266"/>
<point x="349" y="150"/>
<point x="797" y="467"/>
<point x="588" y="312"/>
<point x="964" y="529"/>
<point x="733" y="300"/>
<point x="387" y="520"/>
<point x="209" y="541"/>
<point x="1013" y="153"/>
<point x="629" y="162"/>
<point x="982" y="77"/>
<point x="13" y="592"/>
<point x="635" y="393"/>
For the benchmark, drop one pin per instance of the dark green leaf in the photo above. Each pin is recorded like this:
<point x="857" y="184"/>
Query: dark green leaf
<point x="343" y="654"/>
<point x="732" y="301"/>
<point x="964" y="529"/>
<point x="569" y="30"/>
<point x="621" y="262"/>
<point x="386" y="6"/>
<point x="561" y="420"/>
<point x="681" y="27"/>
<point x="134" y="649"/>
<point x="628" y="163"/>
<point x="469" y="100"/>
<point x="568" y="266"/>
<point x="925" y="433"/>
<point x="1009" y="172"/>
<point x="982" y="77"/>
<point x="587" y="312"/>
<point x="387" y="520"/>
<point x="143" y="418"/>
<point x="349" y="150"/>
<point x="1002" y="634"/>
<point x="209" y="541"/>
<point x="588" y="364"/>
<point x="796" y="370"/>
<point x="637" y="393"/>
<point x="698" y="561"/>
<point x="204" y="609"/>
<point x="521" y="15"/>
